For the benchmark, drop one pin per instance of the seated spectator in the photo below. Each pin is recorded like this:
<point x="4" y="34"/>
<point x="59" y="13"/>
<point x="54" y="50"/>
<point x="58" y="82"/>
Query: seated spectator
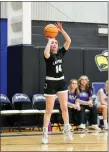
<point x="102" y="103"/>
<point x="73" y="105"/>
<point x="85" y="99"/>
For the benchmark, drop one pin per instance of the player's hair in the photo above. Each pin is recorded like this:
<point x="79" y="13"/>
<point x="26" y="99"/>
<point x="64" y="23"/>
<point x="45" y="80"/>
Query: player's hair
<point x="69" y="87"/>
<point x="56" y="40"/>
<point x="88" y="87"/>
<point x="105" y="83"/>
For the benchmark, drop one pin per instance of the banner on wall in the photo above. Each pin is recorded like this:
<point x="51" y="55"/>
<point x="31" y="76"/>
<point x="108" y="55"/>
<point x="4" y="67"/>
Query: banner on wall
<point x="96" y="86"/>
<point x="102" y="61"/>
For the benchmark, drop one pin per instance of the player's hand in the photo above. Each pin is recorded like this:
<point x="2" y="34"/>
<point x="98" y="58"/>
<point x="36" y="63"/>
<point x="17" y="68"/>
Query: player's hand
<point x="59" y="26"/>
<point x="74" y="106"/>
<point x="50" y="39"/>
<point x="90" y="103"/>
<point x="78" y="107"/>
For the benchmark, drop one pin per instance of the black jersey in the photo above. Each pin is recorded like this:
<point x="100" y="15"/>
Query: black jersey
<point x="54" y="64"/>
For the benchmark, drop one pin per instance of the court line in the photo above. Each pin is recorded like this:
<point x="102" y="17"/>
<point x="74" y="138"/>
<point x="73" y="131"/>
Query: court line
<point x="67" y="142"/>
<point x="18" y="135"/>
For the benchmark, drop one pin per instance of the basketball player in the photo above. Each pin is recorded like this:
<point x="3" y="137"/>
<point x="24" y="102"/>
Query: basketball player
<point x="102" y="103"/>
<point x="85" y="99"/>
<point x="55" y="83"/>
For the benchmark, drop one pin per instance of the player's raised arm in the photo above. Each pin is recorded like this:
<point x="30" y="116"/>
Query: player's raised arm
<point x="66" y="36"/>
<point x="47" y="49"/>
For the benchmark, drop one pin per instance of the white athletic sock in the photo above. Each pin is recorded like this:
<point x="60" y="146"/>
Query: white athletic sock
<point x="45" y="130"/>
<point x="66" y="126"/>
<point x="105" y="123"/>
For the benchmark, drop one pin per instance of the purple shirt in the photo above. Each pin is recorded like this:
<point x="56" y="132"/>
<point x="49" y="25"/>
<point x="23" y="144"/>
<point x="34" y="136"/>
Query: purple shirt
<point x="72" y="97"/>
<point x="84" y="95"/>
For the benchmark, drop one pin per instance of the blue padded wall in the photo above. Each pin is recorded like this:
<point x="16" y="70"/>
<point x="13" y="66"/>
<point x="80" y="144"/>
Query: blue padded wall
<point x="3" y="56"/>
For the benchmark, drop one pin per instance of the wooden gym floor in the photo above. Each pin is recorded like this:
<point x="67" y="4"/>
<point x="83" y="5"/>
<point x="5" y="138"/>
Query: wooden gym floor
<point x="31" y="141"/>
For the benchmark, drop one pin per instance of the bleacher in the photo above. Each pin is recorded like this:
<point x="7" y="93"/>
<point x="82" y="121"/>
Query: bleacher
<point x="22" y="112"/>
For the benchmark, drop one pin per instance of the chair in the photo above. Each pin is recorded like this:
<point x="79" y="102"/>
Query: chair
<point x="7" y="112"/>
<point x="38" y="101"/>
<point x="5" y="103"/>
<point x="99" y="113"/>
<point x="22" y="102"/>
<point x="94" y="98"/>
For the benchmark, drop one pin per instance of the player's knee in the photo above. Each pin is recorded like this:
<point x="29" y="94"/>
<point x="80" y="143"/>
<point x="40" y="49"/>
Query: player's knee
<point x="64" y="108"/>
<point x="48" y="111"/>
<point x="104" y="107"/>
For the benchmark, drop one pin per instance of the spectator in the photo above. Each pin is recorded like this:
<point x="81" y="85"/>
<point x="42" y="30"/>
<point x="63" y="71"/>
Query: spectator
<point x="102" y="103"/>
<point x="85" y="99"/>
<point x="73" y="105"/>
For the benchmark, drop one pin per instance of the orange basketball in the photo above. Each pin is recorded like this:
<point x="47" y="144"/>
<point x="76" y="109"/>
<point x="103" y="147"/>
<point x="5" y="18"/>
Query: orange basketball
<point x="51" y="31"/>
